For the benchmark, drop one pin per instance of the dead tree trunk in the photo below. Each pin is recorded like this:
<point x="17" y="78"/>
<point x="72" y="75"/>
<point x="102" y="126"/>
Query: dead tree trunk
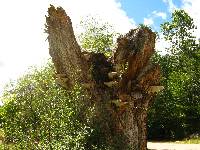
<point x="122" y="88"/>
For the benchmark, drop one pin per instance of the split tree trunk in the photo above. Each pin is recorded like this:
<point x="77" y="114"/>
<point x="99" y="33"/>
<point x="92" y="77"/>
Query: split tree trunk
<point x="122" y="88"/>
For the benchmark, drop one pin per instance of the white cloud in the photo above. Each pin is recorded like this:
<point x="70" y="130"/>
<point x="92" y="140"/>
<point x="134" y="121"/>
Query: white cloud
<point x="160" y="14"/>
<point x="22" y="29"/>
<point x="171" y="5"/>
<point x="192" y="8"/>
<point x="108" y="10"/>
<point x="161" y="45"/>
<point x="148" y="21"/>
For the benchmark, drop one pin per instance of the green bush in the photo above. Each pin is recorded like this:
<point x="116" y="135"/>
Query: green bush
<point x="38" y="114"/>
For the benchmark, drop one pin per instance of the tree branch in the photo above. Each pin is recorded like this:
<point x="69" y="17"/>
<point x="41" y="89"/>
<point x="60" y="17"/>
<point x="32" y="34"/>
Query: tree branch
<point x="63" y="47"/>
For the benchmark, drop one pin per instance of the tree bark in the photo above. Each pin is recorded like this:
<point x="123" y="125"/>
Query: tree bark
<point x="122" y="88"/>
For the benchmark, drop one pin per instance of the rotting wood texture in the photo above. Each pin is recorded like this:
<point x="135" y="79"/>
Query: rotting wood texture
<point x="123" y="87"/>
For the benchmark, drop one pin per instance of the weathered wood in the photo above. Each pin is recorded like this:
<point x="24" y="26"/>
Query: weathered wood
<point x="129" y="81"/>
<point x="132" y="61"/>
<point x="63" y="47"/>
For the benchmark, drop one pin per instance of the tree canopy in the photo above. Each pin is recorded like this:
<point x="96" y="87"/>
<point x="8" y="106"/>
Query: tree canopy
<point x="176" y="112"/>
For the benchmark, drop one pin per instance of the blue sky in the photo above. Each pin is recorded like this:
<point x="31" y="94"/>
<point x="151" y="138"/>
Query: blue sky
<point x="23" y="41"/>
<point x="140" y="9"/>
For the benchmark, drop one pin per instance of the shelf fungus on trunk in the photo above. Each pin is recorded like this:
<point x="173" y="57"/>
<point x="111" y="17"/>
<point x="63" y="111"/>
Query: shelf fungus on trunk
<point x="112" y="75"/>
<point x="155" y="89"/>
<point x="111" y="84"/>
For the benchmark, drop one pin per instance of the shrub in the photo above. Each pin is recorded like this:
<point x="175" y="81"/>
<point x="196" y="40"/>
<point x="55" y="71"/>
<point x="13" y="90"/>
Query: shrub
<point x="38" y="114"/>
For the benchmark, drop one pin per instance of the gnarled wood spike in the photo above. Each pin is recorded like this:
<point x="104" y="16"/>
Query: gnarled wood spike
<point x="132" y="58"/>
<point x="63" y="47"/>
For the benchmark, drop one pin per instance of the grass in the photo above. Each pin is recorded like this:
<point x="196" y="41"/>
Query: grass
<point x="189" y="141"/>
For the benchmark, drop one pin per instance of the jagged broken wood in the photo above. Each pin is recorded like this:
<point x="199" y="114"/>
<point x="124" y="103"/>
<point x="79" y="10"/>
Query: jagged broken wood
<point x="129" y="80"/>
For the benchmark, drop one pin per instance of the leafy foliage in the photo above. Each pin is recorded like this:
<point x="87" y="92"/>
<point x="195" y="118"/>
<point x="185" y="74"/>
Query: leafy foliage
<point x="176" y="112"/>
<point x="97" y="36"/>
<point x="38" y="114"/>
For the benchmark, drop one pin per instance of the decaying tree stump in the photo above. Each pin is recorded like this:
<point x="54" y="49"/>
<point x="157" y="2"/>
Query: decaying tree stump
<point x="122" y="88"/>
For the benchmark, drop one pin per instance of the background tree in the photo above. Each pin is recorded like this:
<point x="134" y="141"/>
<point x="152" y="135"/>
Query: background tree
<point x="97" y="36"/>
<point x="179" y="104"/>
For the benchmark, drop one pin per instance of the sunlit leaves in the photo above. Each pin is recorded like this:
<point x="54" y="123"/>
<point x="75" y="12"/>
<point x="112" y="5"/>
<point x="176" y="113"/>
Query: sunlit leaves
<point x="97" y="36"/>
<point x="179" y="31"/>
<point x="42" y="114"/>
<point x="176" y="112"/>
